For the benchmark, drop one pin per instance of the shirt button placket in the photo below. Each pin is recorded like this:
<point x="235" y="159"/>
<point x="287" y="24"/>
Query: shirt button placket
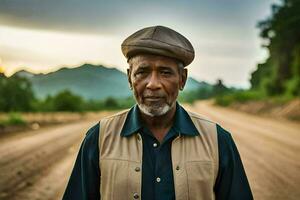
<point x="158" y="180"/>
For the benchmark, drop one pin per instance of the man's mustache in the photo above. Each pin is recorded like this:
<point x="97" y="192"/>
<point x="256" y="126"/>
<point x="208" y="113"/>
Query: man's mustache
<point x="153" y="95"/>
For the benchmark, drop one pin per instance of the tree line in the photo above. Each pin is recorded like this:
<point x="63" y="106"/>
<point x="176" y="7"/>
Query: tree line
<point x="276" y="80"/>
<point x="16" y="95"/>
<point x="280" y="73"/>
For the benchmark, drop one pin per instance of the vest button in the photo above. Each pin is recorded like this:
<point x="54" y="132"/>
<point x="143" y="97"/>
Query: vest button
<point x="136" y="195"/>
<point x="177" y="167"/>
<point x="137" y="169"/>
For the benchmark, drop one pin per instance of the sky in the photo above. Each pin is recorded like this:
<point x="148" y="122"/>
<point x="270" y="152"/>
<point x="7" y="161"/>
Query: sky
<point x="43" y="36"/>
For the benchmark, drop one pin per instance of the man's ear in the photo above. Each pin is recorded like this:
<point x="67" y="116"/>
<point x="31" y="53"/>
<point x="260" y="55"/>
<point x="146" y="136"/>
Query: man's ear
<point x="183" y="78"/>
<point x="129" y="78"/>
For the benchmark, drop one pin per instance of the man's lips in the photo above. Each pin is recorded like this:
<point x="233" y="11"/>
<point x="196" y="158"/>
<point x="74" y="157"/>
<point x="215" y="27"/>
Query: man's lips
<point x="153" y="98"/>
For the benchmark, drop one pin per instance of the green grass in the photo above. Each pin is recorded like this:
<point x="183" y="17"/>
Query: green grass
<point x="14" y="119"/>
<point x="251" y="95"/>
<point x="240" y="97"/>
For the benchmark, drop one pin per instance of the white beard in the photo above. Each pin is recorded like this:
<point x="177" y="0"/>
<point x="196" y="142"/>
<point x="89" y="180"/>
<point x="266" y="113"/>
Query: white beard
<point x="155" y="111"/>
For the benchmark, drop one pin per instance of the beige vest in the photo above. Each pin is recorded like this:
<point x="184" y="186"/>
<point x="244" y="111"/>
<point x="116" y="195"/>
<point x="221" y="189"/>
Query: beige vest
<point x="194" y="159"/>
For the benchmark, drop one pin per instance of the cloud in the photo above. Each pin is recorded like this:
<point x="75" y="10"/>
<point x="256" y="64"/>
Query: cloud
<point x="111" y="17"/>
<point x="51" y="33"/>
<point x="67" y="15"/>
<point x="45" y="51"/>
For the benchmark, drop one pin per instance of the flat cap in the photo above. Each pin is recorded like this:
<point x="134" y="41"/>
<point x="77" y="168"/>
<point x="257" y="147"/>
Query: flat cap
<point x="159" y="40"/>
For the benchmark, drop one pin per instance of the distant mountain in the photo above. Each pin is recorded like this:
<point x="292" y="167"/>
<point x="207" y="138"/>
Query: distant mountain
<point x="88" y="81"/>
<point x="24" y="73"/>
<point x="193" y="84"/>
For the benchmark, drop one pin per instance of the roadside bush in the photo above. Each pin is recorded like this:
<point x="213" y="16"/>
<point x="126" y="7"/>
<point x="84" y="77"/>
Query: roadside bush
<point x="124" y="103"/>
<point x="239" y="96"/>
<point x="225" y="100"/>
<point x="15" y="94"/>
<point x="110" y="102"/>
<point x="14" y="119"/>
<point x="67" y="101"/>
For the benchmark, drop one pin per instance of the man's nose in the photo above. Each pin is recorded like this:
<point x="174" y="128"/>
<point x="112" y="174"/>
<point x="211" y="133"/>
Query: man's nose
<point x="154" y="82"/>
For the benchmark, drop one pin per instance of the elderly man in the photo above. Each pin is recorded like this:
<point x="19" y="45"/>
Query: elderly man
<point x="157" y="150"/>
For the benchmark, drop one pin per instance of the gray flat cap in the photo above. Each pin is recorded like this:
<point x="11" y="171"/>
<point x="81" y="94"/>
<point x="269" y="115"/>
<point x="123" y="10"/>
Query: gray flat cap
<point x="159" y="40"/>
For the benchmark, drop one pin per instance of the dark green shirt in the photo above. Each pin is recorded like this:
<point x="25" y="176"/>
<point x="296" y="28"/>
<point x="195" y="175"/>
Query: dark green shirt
<point x="157" y="174"/>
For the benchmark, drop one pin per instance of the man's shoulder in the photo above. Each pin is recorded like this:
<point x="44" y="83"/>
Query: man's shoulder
<point x="221" y="132"/>
<point x="203" y="119"/>
<point x="199" y="117"/>
<point x="114" y="123"/>
<point x="120" y="114"/>
<point x="93" y="132"/>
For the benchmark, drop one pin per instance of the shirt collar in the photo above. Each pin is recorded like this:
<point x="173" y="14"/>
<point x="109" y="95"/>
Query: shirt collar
<point x="132" y="123"/>
<point x="182" y="124"/>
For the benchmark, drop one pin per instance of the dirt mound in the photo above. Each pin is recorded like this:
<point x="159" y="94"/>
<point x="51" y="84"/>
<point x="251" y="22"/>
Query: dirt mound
<point x="290" y="110"/>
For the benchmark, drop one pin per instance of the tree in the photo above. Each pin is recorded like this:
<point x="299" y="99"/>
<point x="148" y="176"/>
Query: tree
<point x="66" y="101"/>
<point x="219" y="88"/>
<point x="110" y="102"/>
<point x="15" y="94"/>
<point x="281" y="33"/>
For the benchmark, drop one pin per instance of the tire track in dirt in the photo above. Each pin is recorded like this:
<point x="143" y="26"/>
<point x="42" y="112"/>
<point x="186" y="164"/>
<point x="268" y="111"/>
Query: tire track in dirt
<point x="35" y="155"/>
<point x="41" y="189"/>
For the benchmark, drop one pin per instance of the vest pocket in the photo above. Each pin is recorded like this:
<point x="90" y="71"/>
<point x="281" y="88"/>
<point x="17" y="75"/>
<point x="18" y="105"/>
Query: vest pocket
<point x="121" y="179"/>
<point x="114" y="176"/>
<point x="200" y="180"/>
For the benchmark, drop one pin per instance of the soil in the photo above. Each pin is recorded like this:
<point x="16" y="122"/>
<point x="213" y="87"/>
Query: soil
<point x="289" y="110"/>
<point x="269" y="149"/>
<point x="36" y="165"/>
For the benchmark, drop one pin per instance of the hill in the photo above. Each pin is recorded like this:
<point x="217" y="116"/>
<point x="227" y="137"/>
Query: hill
<point x="88" y="81"/>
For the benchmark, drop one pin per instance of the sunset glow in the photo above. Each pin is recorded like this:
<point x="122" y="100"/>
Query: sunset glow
<point x="2" y="70"/>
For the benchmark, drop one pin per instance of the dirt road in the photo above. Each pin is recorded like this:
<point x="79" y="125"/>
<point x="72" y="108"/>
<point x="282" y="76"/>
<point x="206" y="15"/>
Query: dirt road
<point x="36" y="165"/>
<point x="269" y="149"/>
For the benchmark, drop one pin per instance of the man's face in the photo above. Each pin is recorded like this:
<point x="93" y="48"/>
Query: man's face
<point x="156" y="81"/>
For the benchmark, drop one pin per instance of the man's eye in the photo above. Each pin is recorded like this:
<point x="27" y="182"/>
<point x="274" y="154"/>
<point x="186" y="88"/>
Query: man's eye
<point x="140" y="73"/>
<point x="166" y="72"/>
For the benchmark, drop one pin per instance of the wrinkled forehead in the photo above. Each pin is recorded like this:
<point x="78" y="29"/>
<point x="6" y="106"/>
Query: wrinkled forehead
<point x="149" y="59"/>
